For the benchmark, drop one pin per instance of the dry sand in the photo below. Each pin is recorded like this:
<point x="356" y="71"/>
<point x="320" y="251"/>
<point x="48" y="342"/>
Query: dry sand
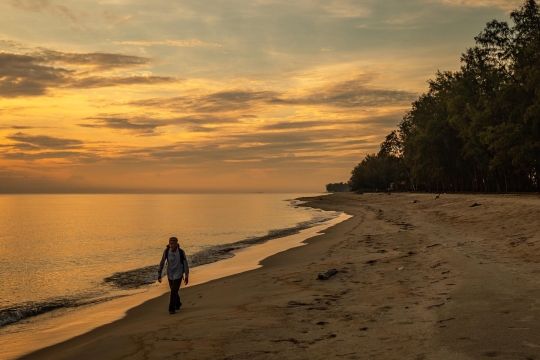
<point x="434" y="279"/>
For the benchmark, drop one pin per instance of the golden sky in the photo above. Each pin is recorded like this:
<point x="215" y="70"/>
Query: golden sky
<point x="224" y="95"/>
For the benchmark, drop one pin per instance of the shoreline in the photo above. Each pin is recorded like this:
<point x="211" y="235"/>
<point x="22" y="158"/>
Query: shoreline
<point x="419" y="277"/>
<point x="77" y="322"/>
<point x="141" y="279"/>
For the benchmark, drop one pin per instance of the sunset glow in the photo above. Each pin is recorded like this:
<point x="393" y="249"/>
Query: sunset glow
<point x="198" y="96"/>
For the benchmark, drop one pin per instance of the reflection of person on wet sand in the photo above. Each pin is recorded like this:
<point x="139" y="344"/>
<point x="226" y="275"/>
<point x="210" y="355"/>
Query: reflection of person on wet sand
<point x="177" y="268"/>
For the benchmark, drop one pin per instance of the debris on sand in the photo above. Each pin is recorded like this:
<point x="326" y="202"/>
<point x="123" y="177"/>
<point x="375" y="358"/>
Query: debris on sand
<point x="475" y="204"/>
<point x="443" y="320"/>
<point x="327" y="274"/>
<point x="435" y="305"/>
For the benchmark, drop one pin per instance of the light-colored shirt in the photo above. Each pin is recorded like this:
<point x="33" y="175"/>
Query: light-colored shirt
<point x="177" y="264"/>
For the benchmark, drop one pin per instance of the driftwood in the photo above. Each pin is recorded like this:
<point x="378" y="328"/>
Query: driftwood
<point x="327" y="274"/>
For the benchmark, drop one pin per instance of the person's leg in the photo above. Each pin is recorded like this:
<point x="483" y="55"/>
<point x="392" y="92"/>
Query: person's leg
<point x="171" y="304"/>
<point x="178" y="302"/>
<point x="175" y="286"/>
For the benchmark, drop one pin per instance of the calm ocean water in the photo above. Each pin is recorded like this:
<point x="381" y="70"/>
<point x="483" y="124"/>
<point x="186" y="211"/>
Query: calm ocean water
<point x="63" y="251"/>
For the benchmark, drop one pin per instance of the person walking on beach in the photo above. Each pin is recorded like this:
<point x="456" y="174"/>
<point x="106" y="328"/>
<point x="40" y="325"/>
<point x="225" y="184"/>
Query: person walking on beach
<point x="177" y="268"/>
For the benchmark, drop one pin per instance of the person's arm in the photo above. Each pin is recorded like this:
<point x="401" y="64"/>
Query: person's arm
<point x="186" y="268"/>
<point x="161" y="265"/>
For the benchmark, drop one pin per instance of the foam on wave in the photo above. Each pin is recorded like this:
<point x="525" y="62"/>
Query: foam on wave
<point x="23" y="311"/>
<point x="137" y="278"/>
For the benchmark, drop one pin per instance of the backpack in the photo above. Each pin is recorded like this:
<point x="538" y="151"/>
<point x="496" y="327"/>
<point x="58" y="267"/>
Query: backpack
<point x="182" y="254"/>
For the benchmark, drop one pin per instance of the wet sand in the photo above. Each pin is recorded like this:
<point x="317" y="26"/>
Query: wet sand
<point x="55" y="327"/>
<point x="432" y="279"/>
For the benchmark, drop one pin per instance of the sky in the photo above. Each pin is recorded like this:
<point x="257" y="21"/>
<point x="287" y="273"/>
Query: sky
<point x="214" y="95"/>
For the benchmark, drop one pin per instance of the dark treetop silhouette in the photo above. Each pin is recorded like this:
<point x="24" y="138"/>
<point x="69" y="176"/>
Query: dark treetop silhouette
<point x="476" y="129"/>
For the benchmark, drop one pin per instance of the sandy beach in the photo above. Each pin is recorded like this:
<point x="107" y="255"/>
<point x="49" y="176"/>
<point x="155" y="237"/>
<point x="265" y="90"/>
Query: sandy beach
<point x="418" y="277"/>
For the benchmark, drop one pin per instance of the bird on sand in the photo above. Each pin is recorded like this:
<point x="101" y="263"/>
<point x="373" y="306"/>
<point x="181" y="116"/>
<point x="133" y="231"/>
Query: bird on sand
<point x="436" y="197"/>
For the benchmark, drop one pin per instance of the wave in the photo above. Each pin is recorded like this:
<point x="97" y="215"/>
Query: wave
<point x="137" y="278"/>
<point x="221" y="252"/>
<point x="23" y="311"/>
<point x="134" y="279"/>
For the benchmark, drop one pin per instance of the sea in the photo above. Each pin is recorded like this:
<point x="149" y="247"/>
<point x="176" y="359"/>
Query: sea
<point x="69" y="251"/>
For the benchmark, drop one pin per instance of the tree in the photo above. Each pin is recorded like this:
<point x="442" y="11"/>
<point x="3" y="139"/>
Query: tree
<point x="476" y="129"/>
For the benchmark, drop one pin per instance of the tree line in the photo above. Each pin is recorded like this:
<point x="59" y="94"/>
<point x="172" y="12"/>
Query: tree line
<point x="476" y="129"/>
<point x="338" y="187"/>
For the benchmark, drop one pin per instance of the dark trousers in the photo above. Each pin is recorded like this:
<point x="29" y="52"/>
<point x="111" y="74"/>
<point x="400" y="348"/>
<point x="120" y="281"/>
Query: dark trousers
<point x="174" y="302"/>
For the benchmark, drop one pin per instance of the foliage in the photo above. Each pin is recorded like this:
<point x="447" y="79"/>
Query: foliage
<point x="476" y="129"/>
<point x="338" y="187"/>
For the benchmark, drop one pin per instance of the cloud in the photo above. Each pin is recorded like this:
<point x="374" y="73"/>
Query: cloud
<point x="98" y="60"/>
<point x="503" y="4"/>
<point x="12" y="44"/>
<point x="38" y="147"/>
<point x="225" y="152"/>
<point x="33" y="74"/>
<point x="222" y="101"/>
<point x="406" y="20"/>
<point x="257" y="145"/>
<point x="73" y="157"/>
<point x="73" y="13"/>
<point x="232" y="100"/>
<point x="101" y="81"/>
<point x="297" y="125"/>
<point x="202" y="123"/>
<point x="22" y="75"/>
<point x="47" y="6"/>
<point x="356" y="92"/>
<point x="43" y="142"/>
<point x="115" y="19"/>
<point x="142" y="128"/>
<point x="147" y="126"/>
<point x="200" y="129"/>
<point x="346" y="9"/>
<point x="179" y="43"/>
<point x="42" y="155"/>
<point x="378" y="121"/>
<point x="16" y="127"/>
